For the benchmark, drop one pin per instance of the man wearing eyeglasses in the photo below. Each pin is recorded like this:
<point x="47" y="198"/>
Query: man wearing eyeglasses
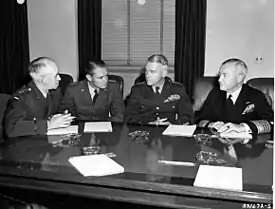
<point x="95" y="98"/>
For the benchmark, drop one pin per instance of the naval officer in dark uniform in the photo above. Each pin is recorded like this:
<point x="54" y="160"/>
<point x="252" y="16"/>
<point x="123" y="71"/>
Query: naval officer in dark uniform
<point x="158" y="101"/>
<point x="235" y="106"/>
<point x="32" y="109"/>
<point x="95" y="98"/>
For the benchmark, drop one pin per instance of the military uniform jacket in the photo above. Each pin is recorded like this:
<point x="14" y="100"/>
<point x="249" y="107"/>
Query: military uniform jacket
<point x="78" y="101"/>
<point x="28" y="111"/>
<point x="251" y="107"/>
<point x="146" y="106"/>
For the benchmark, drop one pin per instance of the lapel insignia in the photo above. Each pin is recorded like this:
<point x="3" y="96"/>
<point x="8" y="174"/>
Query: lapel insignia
<point x="249" y="108"/>
<point x="172" y="97"/>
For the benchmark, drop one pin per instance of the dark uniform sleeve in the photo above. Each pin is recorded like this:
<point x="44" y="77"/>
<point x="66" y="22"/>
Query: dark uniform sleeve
<point x="67" y="102"/>
<point x="206" y="114"/>
<point x="16" y="122"/>
<point x="133" y="107"/>
<point x="185" y="110"/>
<point x="265" y="113"/>
<point x="117" y="107"/>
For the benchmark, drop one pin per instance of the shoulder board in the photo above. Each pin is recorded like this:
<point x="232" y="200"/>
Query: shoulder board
<point x="177" y="83"/>
<point x="141" y="83"/>
<point x="111" y="81"/>
<point x="21" y="91"/>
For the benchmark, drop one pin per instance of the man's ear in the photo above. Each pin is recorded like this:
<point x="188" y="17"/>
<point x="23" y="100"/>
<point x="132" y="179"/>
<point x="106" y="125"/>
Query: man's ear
<point x="36" y="77"/>
<point x="88" y="77"/>
<point x="164" y="70"/>
<point x="240" y="77"/>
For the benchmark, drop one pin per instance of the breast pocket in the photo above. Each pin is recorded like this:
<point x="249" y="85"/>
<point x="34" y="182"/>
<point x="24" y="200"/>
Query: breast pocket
<point x="171" y="106"/>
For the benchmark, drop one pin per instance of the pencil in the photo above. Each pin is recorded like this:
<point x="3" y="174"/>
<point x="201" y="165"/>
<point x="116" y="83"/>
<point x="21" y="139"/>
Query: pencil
<point x="177" y="163"/>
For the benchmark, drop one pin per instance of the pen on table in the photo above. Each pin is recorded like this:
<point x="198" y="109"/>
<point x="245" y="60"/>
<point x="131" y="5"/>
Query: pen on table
<point x="178" y="163"/>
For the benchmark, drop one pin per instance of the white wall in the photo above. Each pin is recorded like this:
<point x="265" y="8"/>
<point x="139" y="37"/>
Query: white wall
<point x="243" y="29"/>
<point x="53" y="32"/>
<point x="235" y="28"/>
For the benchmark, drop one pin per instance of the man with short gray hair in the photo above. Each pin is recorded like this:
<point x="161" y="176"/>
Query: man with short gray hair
<point x="235" y="106"/>
<point x="32" y="109"/>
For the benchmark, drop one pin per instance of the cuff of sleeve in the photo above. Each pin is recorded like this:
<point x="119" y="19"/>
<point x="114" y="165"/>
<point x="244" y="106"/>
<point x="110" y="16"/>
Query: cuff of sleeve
<point x="247" y="128"/>
<point x="260" y="126"/>
<point x="41" y="127"/>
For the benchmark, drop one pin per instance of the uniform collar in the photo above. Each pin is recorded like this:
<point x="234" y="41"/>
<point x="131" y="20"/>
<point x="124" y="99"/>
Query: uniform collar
<point x="234" y="95"/>
<point x="36" y="90"/>
<point x="160" y="86"/>
<point x="91" y="88"/>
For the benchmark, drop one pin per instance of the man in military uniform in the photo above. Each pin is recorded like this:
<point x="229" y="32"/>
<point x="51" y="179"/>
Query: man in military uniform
<point x="158" y="101"/>
<point x="95" y="98"/>
<point x="32" y="109"/>
<point x="235" y="106"/>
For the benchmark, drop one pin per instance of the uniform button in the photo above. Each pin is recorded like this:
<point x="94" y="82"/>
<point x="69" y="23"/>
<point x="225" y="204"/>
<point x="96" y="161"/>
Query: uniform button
<point x="173" y="106"/>
<point x="157" y="108"/>
<point x="158" y="118"/>
<point x="157" y="113"/>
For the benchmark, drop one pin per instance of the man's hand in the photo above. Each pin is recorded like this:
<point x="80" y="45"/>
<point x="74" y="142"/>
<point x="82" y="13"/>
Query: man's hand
<point x="160" y="122"/>
<point x="216" y="125"/>
<point x="60" y="121"/>
<point x="228" y="127"/>
<point x="58" y="115"/>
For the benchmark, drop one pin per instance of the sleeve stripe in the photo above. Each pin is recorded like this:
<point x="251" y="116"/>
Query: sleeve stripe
<point x="262" y="126"/>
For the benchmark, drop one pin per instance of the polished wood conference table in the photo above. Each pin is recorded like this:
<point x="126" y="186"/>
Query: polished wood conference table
<point x="35" y="163"/>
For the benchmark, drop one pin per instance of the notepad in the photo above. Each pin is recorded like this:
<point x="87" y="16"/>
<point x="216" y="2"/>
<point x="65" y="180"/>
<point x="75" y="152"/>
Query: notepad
<point x="180" y="130"/>
<point x="98" y="127"/>
<point x="96" y="165"/>
<point x="238" y="135"/>
<point x="219" y="177"/>
<point x="59" y="131"/>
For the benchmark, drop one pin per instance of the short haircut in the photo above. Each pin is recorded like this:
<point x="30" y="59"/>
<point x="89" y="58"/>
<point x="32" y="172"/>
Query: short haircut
<point x="93" y="65"/>
<point x="237" y="63"/>
<point x="39" y="63"/>
<point x="158" y="58"/>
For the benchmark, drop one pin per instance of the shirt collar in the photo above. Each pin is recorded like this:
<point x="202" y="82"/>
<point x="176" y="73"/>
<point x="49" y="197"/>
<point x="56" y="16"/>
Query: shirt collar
<point x="92" y="89"/>
<point x="234" y="95"/>
<point x="160" y="86"/>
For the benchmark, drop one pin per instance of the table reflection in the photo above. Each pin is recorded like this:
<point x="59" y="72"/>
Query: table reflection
<point x="141" y="154"/>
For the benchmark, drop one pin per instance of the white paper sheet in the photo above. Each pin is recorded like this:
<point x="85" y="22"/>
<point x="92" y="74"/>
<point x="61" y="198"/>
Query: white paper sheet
<point x="180" y="130"/>
<point x="238" y="135"/>
<point x="96" y="165"/>
<point x="98" y="127"/>
<point x="219" y="177"/>
<point x="59" y="131"/>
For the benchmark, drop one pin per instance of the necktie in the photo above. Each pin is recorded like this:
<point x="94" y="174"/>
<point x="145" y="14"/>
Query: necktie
<point x="157" y="91"/>
<point x="229" y="102"/>
<point x="95" y="96"/>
